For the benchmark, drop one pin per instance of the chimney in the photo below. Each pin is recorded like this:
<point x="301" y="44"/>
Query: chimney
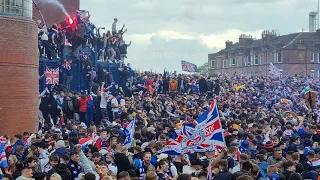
<point x="229" y="44"/>
<point x="245" y="40"/>
<point x="268" y="36"/>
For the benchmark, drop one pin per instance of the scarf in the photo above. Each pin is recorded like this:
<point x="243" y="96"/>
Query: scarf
<point x="76" y="169"/>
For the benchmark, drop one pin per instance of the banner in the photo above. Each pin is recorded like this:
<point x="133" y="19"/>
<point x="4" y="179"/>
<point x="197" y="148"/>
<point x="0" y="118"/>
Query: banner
<point x="202" y="135"/>
<point x="52" y="75"/>
<point x="129" y="131"/>
<point x="189" y="67"/>
<point x="274" y="71"/>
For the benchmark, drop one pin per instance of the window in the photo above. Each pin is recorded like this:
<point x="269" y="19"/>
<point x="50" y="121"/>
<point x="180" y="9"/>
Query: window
<point x="312" y="57"/>
<point x="233" y="62"/>
<point x="312" y="73"/>
<point x="225" y="63"/>
<point x="318" y="57"/>
<point x="213" y="64"/>
<point x="16" y="7"/>
<point x="256" y="60"/>
<point x="319" y="74"/>
<point x="279" y="60"/>
<point x="248" y="60"/>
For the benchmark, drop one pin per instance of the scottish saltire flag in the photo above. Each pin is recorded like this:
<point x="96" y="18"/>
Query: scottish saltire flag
<point x="129" y="133"/>
<point x="3" y="157"/>
<point x="189" y="67"/>
<point x="203" y="134"/>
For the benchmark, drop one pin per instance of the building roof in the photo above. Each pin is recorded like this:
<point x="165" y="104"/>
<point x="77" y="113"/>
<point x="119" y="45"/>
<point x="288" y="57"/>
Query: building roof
<point x="311" y="39"/>
<point x="288" y="41"/>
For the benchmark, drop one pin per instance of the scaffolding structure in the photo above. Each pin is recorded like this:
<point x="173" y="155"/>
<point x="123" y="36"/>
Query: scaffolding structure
<point x="313" y="21"/>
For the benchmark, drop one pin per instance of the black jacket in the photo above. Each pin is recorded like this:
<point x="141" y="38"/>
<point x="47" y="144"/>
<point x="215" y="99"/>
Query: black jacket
<point x="203" y="85"/>
<point x="122" y="162"/>
<point x="62" y="170"/>
<point x="224" y="175"/>
<point x="238" y="174"/>
<point x="75" y="104"/>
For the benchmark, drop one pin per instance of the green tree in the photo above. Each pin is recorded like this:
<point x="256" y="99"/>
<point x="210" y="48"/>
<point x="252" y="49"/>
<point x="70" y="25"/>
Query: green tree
<point x="203" y="69"/>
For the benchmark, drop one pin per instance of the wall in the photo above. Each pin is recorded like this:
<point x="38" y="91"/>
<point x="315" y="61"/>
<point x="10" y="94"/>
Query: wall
<point x="19" y="76"/>
<point x="52" y="14"/>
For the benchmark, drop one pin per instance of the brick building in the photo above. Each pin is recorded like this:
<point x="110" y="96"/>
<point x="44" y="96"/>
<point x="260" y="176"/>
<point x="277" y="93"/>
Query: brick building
<point x="53" y="14"/>
<point x="19" y="68"/>
<point x="297" y="53"/>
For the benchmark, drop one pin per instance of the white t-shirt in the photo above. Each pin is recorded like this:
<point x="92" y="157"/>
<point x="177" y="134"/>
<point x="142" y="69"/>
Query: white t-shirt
<point x="115" y="102"/>
<point x="103" y="102"/>
<point x="114" y="27"/>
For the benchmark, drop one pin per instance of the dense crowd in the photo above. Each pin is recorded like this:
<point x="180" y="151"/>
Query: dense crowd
<point x="271" y="129"/>
<point x="79" y="33"/>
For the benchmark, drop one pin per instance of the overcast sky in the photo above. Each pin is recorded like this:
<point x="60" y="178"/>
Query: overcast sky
<point x="164" y="32"/>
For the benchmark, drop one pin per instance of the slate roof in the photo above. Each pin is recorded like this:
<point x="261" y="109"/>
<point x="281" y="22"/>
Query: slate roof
<point x="286" y="41"/>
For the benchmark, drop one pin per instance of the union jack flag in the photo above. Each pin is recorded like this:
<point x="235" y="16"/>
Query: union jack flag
<point x="204" y="134"/>
<point x="84" y="142"/>
<point x="189" y="67"/>
<point x="173" y="145"/>
<point x="52" y="75"/>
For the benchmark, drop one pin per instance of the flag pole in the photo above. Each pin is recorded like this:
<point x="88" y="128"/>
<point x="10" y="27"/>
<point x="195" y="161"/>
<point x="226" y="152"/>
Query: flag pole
<point x="44" y="22"/>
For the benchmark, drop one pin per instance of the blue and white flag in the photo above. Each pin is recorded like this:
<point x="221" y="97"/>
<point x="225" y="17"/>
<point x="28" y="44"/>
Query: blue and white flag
<point x="3" y="157"/>
<point x="274" y="71"/>
<point x="202" y="135"/>
<point x="129" y="131"/>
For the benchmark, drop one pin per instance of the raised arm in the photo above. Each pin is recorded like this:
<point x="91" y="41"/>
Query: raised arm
<point x="219" y="157"/>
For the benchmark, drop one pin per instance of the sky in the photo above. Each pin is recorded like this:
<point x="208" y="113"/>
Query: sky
<point x="164" y="32"/>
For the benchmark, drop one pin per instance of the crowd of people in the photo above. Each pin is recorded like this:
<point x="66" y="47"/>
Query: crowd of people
<point x="81" y="33"/>
<point x="271" y="129"/>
